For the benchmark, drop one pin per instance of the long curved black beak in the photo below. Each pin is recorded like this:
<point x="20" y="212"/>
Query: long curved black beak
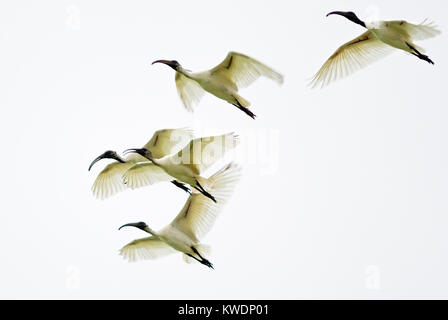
<point x="170" y="63"/>
<point x="140" y="151"/>
<point x="350" y="16"/>
<point x="96" y="160"/>
<point x="139" y="225"/>
<point x="336" y="12"/>
<point x="107" y="155"/>
<point x="167" y="62"/>
<point x="134" y="224"/>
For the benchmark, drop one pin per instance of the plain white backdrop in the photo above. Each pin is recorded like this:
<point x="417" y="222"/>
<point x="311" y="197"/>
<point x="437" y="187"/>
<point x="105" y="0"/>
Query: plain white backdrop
<point x="344" y="192"/>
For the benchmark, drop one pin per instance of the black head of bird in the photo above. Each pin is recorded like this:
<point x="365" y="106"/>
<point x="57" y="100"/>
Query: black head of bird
<point x="171" y="63"/>
<point x="109" y="154"/>
<point x="141" y="151"/>
<point x="350" y="16"/>
<point x="139" y="225"/>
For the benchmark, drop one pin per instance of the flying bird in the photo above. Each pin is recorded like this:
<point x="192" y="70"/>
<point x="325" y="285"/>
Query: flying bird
<point x="380" y="39"/>
<point x="223" y="81"/>
<point x="185" y="166"/>
<point x="192" y="223"/>
<point x="162" y="143"/>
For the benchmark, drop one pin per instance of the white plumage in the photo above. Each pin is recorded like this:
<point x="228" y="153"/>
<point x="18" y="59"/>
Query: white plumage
<point x="223" y="81"/>
<point x="191" y="225"/>
<point x="380" y="39"/>
<point x="163" y="142"/>
<point x="185" y="166"/>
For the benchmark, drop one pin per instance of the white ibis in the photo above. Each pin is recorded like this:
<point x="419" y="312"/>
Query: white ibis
<point x="223" y="81"/>
<point x="192" y="223"/>
<point x="185" y="166"/>
<point x="380" y="39"/>
<point x="162" y="143"/>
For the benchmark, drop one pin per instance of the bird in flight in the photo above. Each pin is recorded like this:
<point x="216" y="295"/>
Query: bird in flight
<point x="380" y="39"/>
<point x="186" y="166"/>
<point x="192" y="223"/>
<point x="163" y="142"/>
<point x="223" y="81"/>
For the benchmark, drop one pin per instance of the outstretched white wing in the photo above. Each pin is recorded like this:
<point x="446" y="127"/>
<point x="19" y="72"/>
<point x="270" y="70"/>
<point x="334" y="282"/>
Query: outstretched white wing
<point x="351" y="57"/>
<point x="144" y="174"/>
<point x="145" y="249"/>
<point x="243" y="70"/>
<point x="201" y="153"/>
<point x="199" y="212"/>
<point x="167" y="141"/>
<point x="109" y="180"/>
<point x="422" y="31"/>
<point x="190" y="91"/>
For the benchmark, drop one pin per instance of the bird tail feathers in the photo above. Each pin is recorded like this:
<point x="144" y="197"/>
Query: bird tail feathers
<point x="222" y="183"/>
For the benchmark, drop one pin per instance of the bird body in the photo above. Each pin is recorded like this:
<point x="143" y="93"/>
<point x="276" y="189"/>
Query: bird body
<point x="378" y="41"/>
<point x="392" y="33"/>
<point x="218" y="86"/>
<point x="177" y="239"/>
<point x="182" y="172"/>
<point x="223" y="81"/>
<point x="192" y="223"/>
<point x="188" y="164"/>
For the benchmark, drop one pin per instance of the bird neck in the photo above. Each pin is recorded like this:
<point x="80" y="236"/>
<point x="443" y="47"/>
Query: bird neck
<point x="161" y="162"/>
<point x="120" y="159"/>
<point x="154" y="161"/>
<point x="150" y="231"/>
<point x="356" y="20"/>
<point x="184" y="72"/>
<point x="375" y="25"/>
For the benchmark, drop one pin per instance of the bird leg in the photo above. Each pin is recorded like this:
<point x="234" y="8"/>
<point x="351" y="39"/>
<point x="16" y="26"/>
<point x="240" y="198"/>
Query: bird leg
<point x="244" y="109"/>
<point x="204" y="192"/>
<point x="419" y="55"/>
<point x="181" y="185"/>
<point x="203" y="260"/>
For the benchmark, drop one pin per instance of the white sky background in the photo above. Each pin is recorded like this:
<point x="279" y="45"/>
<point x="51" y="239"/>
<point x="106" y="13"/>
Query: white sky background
<point x="347" y="194"/>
